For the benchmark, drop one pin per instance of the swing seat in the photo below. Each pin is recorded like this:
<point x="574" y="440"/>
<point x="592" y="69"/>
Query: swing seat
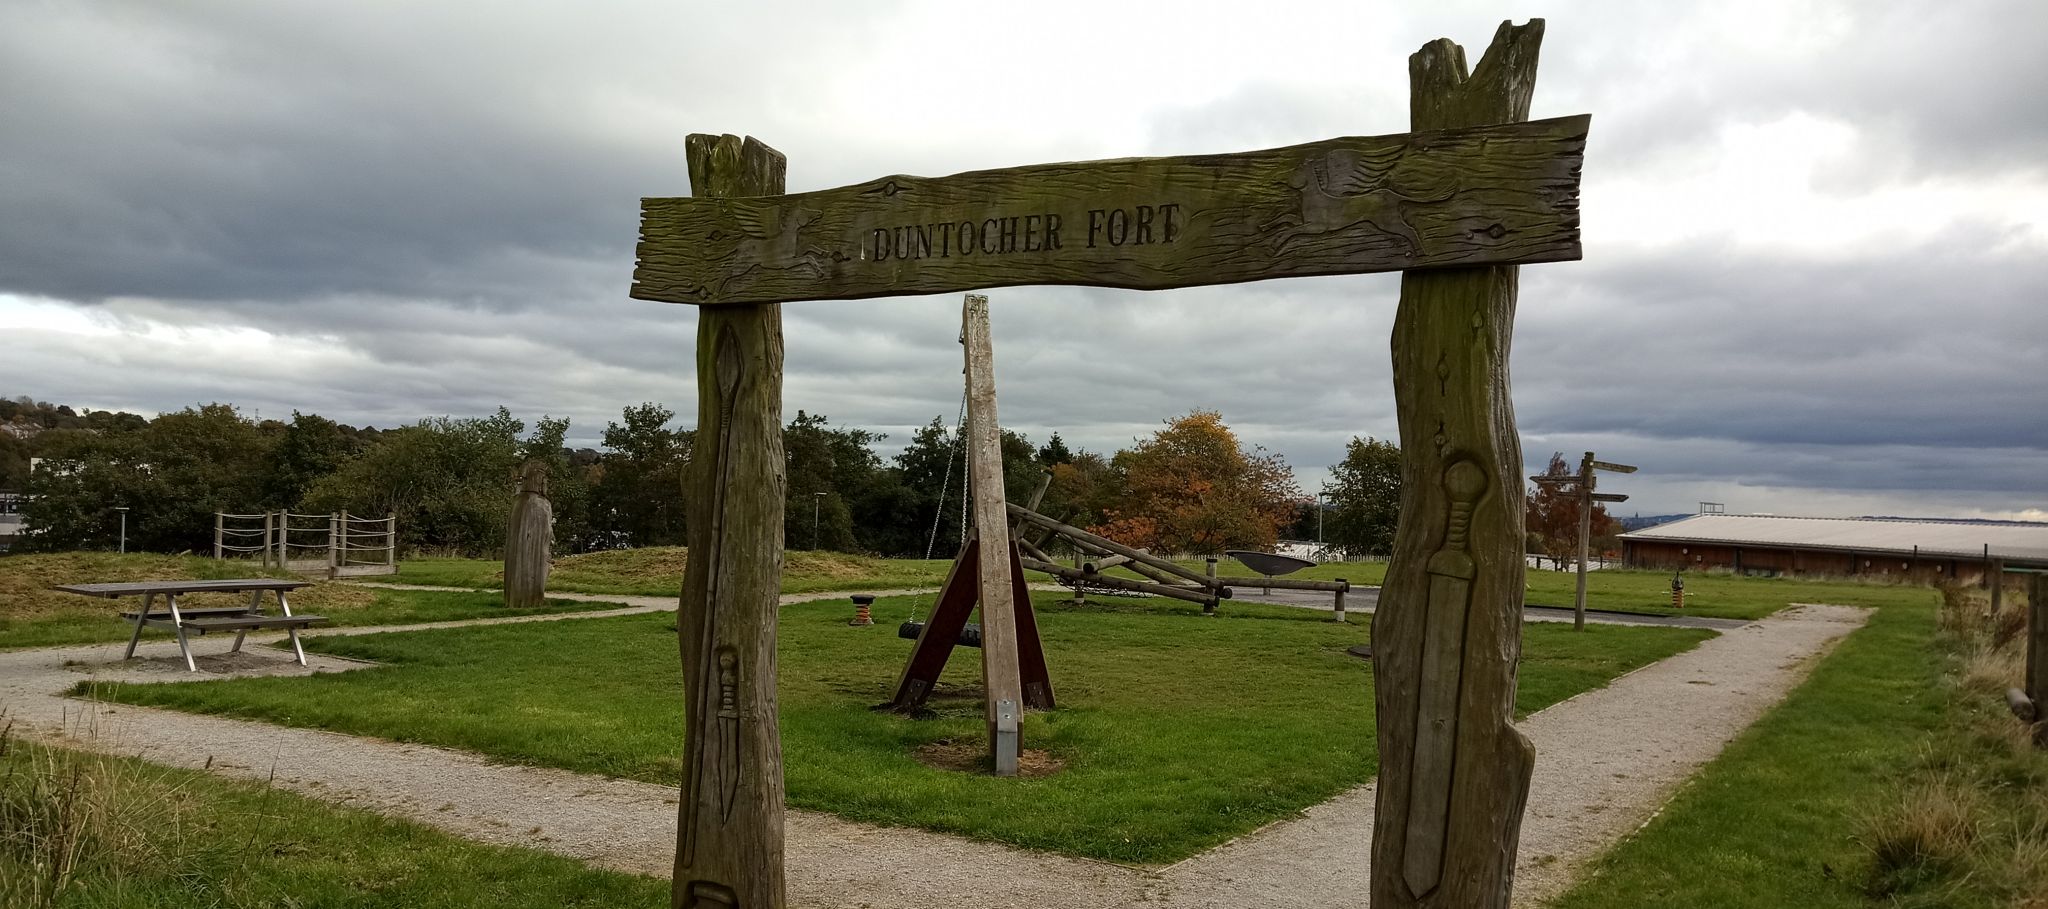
<point x="970" y="635"/>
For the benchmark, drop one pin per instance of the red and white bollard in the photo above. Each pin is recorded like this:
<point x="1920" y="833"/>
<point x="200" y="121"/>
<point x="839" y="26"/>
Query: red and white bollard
<point x="861" y="616"/>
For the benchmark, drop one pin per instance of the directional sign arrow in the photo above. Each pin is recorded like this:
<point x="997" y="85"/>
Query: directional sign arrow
<point x="1617" y="468"/>
<point x="1609" y="497"/>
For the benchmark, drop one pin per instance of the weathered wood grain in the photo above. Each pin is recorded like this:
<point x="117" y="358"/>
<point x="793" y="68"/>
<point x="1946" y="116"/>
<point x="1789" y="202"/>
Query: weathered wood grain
<point x="1137" y="557"/>
<point x="1454" y="772"/>
<point x="1492" y="194"/>
<point x="529" y="540"/>
<point x="729" y="839"/>
<point x="1203" y="595"/>
<point x="1001" y="678"/>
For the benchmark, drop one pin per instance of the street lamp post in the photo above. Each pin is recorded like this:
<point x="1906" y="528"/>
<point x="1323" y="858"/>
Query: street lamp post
<point x="816" y="499"/>
<point x="123" y="509"/>
<point x="1319" y="525"/>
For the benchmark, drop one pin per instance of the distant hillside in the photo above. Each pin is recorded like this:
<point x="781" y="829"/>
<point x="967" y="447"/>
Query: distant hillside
<point x="1641" y="521"/>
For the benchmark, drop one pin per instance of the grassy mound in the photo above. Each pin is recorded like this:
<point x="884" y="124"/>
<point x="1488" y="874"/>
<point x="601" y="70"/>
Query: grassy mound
<point x="658" y="571"/>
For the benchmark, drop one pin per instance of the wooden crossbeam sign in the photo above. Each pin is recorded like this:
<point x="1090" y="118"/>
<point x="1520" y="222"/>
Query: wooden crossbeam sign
<point x="1489" y="195"/>
<point x="1472" y="190"/>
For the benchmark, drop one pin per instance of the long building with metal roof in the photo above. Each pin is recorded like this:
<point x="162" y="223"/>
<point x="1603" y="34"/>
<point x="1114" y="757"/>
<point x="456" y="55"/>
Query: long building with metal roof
<point x="1903" y="549"/>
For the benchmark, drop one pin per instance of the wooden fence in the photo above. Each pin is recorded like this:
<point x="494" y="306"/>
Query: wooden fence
<point x="338" y="545"/>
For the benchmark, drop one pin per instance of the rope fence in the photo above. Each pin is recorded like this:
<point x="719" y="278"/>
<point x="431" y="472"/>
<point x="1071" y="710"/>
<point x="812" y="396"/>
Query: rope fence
<point x="336" y="545"/>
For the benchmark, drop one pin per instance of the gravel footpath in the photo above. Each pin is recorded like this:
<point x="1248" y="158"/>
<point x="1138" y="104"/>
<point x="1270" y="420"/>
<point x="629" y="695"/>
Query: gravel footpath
<point x="1606" y="761"/>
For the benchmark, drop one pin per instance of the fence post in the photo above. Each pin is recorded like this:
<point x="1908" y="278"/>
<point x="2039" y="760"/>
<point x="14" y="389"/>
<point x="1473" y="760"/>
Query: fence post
<point x="264" y="548"/>
<point x="219" y="530"/>
<point x="391" y="540"/>
<point x="333" y="533"/>
<point x="1994" y="572"/>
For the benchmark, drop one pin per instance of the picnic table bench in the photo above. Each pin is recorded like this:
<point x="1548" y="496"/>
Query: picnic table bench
<point x="239" y="619"/>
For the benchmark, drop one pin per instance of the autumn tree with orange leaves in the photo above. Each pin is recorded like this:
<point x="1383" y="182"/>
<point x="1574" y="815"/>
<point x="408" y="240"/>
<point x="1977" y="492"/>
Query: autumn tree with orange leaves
<point x="1193" y="488"/>
<point x="1553" y="514"/>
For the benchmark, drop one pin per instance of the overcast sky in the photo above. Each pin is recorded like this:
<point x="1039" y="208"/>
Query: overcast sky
<point x="1814" y="274"/>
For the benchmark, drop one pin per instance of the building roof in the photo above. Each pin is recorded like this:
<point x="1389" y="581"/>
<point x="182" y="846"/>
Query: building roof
<point x="2011" y="541"/>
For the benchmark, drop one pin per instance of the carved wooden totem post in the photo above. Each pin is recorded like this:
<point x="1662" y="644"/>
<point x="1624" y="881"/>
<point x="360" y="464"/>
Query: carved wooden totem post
<point x="729" y="840"/>
<point x="530" y="540"/>
<point x="1454" y="772"/>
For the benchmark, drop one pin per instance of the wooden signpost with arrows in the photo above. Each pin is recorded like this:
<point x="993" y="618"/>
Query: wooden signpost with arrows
<point x="1473" y="191"/>
<point x="1583" y="484"/>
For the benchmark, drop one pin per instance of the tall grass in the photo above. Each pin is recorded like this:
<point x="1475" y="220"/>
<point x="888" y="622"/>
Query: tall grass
<point x="1969" y="823"/>
<point x="66" y="818"/>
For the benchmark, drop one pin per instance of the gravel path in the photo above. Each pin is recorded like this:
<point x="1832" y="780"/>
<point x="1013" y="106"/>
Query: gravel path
<point x="1606" y="761"/>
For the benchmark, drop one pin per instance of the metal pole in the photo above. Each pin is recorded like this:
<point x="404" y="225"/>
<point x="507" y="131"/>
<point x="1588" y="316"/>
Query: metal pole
<point x="1585" y="538"/>
<point x="123" y="509"/>
<point x="1319" y="525"/>
<point x="816" y="499"/>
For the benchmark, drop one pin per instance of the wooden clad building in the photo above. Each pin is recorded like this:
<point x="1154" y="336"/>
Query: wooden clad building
<point x="1882" y="547"/>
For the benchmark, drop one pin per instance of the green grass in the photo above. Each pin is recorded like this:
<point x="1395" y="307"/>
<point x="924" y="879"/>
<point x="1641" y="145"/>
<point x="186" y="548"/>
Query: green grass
<point x="1178" y="732"/>
<point x="658" y="571"/>
<point x="149" y="836"/>
<point x="1775" y="820"/>
<point x="1714" y="594"/>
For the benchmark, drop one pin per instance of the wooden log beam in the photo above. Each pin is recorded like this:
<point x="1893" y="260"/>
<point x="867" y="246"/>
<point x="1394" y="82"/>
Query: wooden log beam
<point x="1454" y="772"/>
<point x="1106" y="544"/>
<point x="1191" y="594"/>
<point x="1287" y="583"/>
<point x="729" y="838"/>
<point x="1104" y="563"/>
<point x="1483" y="195"/>
<point x="1031" y="549"/>
<point x="1001" y="674"/>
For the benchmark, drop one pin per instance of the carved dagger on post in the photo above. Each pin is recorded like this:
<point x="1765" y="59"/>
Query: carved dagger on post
<point x="710" y="687"/>
<point x="1450" y="572"/>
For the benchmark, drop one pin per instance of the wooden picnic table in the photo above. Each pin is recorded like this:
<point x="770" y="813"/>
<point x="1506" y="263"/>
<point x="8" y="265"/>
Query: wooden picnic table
<point x="239" y="619"/>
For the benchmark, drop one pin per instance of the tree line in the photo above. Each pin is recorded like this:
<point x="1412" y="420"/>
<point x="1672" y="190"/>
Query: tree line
<point x="1191" y="487"/>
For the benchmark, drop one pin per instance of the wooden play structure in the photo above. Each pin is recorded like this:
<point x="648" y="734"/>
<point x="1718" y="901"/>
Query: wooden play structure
<point x="337" y="545"/>
<point x="1455" y="205"/>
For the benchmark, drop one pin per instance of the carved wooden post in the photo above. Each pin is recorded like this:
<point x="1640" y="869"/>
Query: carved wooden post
<point x="729" y="841"/>
<point x="530" y="539"/>
<point x="1001" y="678"/>
<point x="1454" y="772"/>
<point x="2037" y="651"/>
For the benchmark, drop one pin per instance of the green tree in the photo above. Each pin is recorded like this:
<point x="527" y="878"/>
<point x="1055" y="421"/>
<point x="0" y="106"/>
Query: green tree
<point x="637" y="496"/>
<point x="1054" y="452"/>
<point x="828" y="469"/>
<point x="1364" y="498"/>
<point x="449" y="481"/>
<point x="172" y="475"/>
<point x="310" y="447"/>
<point x="897" y="513"/>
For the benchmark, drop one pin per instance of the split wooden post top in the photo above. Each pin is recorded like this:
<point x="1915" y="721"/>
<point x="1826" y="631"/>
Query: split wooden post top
<point x="730" y="825"/>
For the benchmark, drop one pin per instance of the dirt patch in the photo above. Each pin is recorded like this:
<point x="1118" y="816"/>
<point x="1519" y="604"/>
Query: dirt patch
<point x="973" y="757"/>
